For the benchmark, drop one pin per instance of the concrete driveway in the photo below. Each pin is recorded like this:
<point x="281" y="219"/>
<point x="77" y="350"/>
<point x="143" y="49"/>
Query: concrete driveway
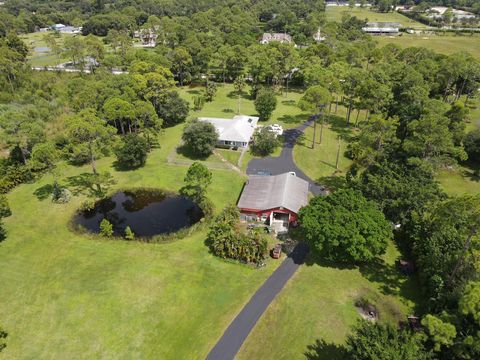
<point x="284" y="163"/>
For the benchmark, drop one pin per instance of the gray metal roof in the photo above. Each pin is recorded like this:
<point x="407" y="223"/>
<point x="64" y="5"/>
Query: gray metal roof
<point x="269" y="192"/>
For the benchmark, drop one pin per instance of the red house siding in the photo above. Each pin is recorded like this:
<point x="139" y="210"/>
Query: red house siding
<point x="267" y="212"/>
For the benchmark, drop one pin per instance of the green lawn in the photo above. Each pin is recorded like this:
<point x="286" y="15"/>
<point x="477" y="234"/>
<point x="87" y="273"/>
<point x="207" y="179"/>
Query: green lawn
<point x="34" y="40"/>
<point x="459" y="181"/>
<point x="444" y="44"/>
<point x="320" y="162"/>
<point x="231" y="156"/>
<point x="335" y="13"/>
<point x="72" y="296"/>
<point x="318" y="303"/>
<point x="225" y="105"/>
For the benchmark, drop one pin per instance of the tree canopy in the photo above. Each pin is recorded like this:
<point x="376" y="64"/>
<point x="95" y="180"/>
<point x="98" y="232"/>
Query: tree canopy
<point x="345" y="226"/>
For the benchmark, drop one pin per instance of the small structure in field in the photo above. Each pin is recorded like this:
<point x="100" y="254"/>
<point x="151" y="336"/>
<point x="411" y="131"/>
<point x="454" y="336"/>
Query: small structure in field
<point x="236" y="132"/>
<point x="382" y="28"/>
<point x="273" y="200"/>
<point x="277" y="37"/>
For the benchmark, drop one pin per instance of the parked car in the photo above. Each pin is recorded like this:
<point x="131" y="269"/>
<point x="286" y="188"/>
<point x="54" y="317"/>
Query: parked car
<point x="275" y="128"/>
<point x="277" y="251"/>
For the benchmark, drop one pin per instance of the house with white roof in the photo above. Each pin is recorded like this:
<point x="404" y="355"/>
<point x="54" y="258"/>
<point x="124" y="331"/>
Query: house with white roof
<point x="278" y="37"/>
<point x="380" y="28"/>
<point x="236" y="132"/>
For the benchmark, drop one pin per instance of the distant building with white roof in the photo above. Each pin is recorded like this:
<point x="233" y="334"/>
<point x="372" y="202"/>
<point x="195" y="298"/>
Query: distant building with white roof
<point x="236" y="132"/>
<point x="437" y="12"/>
<point x="379" y="28"/>
<point x="278" y="37"/>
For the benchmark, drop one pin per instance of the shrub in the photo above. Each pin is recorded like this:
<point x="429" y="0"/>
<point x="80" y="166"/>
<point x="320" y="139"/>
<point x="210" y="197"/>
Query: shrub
<point x="129" y="234"/>
<point x="198" y="102"/>
<point x="226" y="241"/>
<point x="15" y="175"/>
<point x="60" y="194"/>
<point x="264" y="142"/>
<point x="133" y="151"/>
<point x="172" y="108"/>
<point x="200" y="137"/>
<point x="210" y="91"/>
<point x="106" y="228"/>
<point x="265" y="103"/>
<point x="4" y="207"/>
<point x="3" y="232"/>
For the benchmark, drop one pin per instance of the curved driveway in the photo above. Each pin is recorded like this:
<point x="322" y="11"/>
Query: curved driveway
<point x="284" y="163"/>
<point x="232" y="339"/>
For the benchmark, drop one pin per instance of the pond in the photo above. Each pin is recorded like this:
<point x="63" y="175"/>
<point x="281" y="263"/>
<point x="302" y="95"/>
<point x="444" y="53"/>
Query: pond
<point x="147" y="212"/>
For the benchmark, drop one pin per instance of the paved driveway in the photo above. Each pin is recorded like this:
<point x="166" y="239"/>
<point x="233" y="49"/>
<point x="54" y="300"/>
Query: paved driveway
<point x="232" y="339"/>
<point x="284" y="163"/>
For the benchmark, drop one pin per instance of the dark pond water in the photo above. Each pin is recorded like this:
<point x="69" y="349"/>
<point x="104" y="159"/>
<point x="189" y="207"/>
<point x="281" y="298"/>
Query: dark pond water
<point x="147" y="212"/>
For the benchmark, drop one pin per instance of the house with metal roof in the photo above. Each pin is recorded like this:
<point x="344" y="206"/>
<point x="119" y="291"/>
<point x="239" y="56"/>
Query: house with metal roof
<point x="273" y="200"/>
<point x="379" y="28"/>
<point x="236" y="132"/>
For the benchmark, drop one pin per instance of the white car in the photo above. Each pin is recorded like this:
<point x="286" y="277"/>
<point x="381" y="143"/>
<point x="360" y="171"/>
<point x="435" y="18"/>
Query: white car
<point x="277" y="129"/>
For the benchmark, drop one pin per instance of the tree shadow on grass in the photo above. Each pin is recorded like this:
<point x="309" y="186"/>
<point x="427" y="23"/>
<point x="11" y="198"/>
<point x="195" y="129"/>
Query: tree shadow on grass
<point x="90" y="185"/>
<point x="189" y="154"/>
<point x="333" y="182"/>
<point x="321" y="350"/>
<point x="338" y="125"/>
<point x="289" y="102"/>
<point x="293" y="119"/>
<point x="118" y="166"/>
<point x="234" y="95"/>
<point x="195" y="92"/>
<point x="392" y="282"/>
<point x="44" y="192"/>
<point x="471" y="172"/>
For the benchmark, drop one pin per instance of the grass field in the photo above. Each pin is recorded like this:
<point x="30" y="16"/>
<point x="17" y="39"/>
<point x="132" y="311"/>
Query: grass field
<point x="335" y="13"/>
<point x="443" y="44"/>
<point x="319" y="163"/>
<point x="71" y="296"/>
<point x="225" y="105"/>
<point x="35" y="40"/>
<point x="318" y="303"/>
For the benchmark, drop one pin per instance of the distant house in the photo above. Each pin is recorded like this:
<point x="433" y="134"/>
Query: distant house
<point x="57" y="27"/>
<point x="273" y="200"/>
<point x="148" y="37"/>
<point x="438" y="12"/>
<point x="66" y="29"/>
<point x="278" y="37"/>
<point x="382" y="28"/>
<point x="236" y="132"/>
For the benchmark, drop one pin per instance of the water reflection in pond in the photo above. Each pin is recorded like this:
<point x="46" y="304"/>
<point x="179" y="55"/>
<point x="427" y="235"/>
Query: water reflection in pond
<point x="147" y="212"/>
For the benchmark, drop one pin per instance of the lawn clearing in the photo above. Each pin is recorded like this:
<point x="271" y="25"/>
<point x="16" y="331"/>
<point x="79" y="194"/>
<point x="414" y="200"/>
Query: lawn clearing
<point x="335" y="13"/>
<point x="36" y="40"/>
<point x="68" y="294"/>
<point x="319" y="303"/>
<point x="443" y="44"/>
<point x="319" y="163"/>
<point x="225" y="105"/>
<point x="460" y="180"/>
